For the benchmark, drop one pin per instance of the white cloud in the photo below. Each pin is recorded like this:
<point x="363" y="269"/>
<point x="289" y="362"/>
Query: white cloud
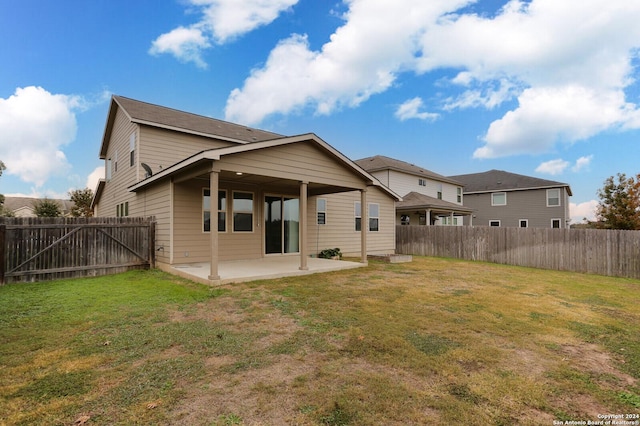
<point x="222" y="20"/>
<point x="582" y="163"/>
<point x="411" y="109"/>
<point x="35" y="125"/>
<point x="362" y="58"/>
<point x="94" y="177"/>
<point x="584" y="210"/>
<point x="566" y="64"/>
<point x="183" y="43"/>
<point x="553" y="167"/>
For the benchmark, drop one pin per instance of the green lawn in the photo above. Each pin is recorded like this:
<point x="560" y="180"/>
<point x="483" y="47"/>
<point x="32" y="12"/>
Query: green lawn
<point x="435" y="341"/>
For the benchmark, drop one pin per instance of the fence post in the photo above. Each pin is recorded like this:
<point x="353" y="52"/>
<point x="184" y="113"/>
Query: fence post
<point x="152" y="244"/>
<point x="3" y="233"/>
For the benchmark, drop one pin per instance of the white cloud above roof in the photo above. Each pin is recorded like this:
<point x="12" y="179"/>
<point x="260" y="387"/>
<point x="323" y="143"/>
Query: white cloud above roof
<point x="553" y="167"/>
<point x="35" y="125"/>
<point x="221" y="21"/>
<point x="412" y="109"/>
<point x="564" y="64"/>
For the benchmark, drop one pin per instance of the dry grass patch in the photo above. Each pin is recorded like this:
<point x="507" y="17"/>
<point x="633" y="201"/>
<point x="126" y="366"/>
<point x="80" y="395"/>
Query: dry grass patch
<point x="435" y="341"/>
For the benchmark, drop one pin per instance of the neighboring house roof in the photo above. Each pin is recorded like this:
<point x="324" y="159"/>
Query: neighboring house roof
<point x="499" y="180"/>
<point x="24" y="206"/>
<point x="171" y="119"/>
<point x="217" y="153"/>
<point x="380" y="162"/>
<point x="415" y="200"/>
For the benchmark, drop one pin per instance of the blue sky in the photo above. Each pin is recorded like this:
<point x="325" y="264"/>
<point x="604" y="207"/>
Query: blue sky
<point x="544" y="88"/>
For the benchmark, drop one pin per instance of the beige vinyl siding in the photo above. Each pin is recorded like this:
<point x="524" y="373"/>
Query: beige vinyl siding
<point x="161" y="148"/>
<point x="403" y="183"/>
<point x="192" y="244"/>
<point x="526" y="204"/>
<point x="300" y="161"/>
<point x="156" y="202"/>
<point x="339" y="230"/>
<point x="115" y="190"/>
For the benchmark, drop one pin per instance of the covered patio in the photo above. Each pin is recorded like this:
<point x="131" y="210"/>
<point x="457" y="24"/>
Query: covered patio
<point x="257" y="269"/>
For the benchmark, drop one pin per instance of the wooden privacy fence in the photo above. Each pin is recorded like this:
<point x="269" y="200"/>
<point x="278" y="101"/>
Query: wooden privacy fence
<point x="37" y="249"/>
<point x="603" y="252"/>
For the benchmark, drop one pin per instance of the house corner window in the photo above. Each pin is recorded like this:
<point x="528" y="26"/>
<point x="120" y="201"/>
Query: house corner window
<point x="439" y="195"/>
<point x="132" y="150"/>
<point x="555" y="223"/>
<point x="374" y="217"/>
<point x="221" y="211"/>
<point x="321" y="207"/>
<point x="242" y="212"/>
<point x="108" y="170"/>
<point x="553" y="197"/>
<point x="499" y="199"/>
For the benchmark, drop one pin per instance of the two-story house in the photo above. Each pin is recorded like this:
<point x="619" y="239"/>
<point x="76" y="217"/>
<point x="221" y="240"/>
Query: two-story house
<point x="428" y="198"/>
<point x="500" y="198"/>
<point x="221" y="191"/>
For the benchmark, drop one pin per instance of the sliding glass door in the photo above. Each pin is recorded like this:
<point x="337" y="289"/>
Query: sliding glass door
<point x="281" y="224"/>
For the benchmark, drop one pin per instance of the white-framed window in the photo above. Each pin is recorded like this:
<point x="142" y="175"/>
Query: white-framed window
<point x="115" y="161"/>
<point x="321" y="210"/>
<point x="122" y="209"/>
<point x="221" y="210"/>
<point x="494" y="223"/>
<point x="242" y="211"/>
<point x="374" y="217"/>
<point x="132" y="150"/>
<point x="556" y="223"/>
<point x="499" y="199"/>
<point x="553" y="197"/>
<point x="523" y="223"/>
<point x="459" y="194"/>
<point x="108" y="170"/>
<point x="439" y="194"/>
<point x="422" y="182"/>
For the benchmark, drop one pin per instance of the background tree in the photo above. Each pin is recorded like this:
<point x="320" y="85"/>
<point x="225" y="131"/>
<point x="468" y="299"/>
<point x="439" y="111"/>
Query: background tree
<point x="47" y="208"/>
<point x="81" y="199"/>
<point x="3" y="210"/>
<point x="619" y="206"/>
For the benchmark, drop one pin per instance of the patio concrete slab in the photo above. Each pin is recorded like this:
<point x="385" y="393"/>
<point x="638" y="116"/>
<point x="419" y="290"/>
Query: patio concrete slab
<point x="257" y="269"/>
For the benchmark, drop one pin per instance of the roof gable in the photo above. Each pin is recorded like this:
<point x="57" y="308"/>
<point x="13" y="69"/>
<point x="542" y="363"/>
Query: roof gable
<point x="500" y="180"/>
<point x="180" y="121"/>
<point x="380" y="162"/>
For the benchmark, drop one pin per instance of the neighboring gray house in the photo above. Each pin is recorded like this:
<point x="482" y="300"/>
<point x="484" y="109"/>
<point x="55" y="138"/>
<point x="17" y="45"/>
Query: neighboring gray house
<point x="500" y="198"/>
<point x="427" y="197"/>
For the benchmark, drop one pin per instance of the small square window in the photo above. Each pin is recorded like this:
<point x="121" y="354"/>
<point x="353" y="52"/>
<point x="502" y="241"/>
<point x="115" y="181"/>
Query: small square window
<point x="494" y="223"/>
<point x="555" y="223"/>
<point x="499" y="199"/>
<point x="524" y="223"/>
<point x="553" y="197"/>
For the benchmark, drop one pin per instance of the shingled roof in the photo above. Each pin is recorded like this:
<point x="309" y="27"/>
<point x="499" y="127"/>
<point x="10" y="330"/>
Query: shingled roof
<point x="499" y="180"/>
<point x="172" y="119"/>
<point x="380" y="162"/>
<point x="415" y="200"/>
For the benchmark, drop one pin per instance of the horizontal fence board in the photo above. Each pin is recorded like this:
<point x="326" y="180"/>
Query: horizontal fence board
<point x="594" y="251"/>
<point x="38" y="249"/>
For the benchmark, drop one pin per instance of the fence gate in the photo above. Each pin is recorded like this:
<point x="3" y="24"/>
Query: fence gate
<point x="38" y="249"/>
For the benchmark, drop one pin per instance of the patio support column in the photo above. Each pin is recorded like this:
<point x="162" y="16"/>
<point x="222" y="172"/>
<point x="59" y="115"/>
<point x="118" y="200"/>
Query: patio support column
<point x="451" y="218"/>
<point x="471" y="219"/>
<point x="364" y="225"/>
<point x="303" y="225"/>
<point x="213" y="228"/>
<point x="427" y="214"/>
